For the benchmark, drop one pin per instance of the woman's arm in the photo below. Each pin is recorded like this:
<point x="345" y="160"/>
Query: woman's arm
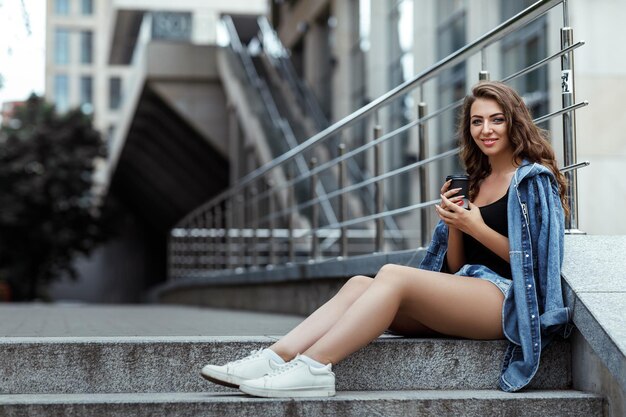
<point x="455" y="255"/>
<point x="471" y="222"/>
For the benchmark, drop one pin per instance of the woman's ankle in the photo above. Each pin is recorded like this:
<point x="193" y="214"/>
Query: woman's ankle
<point x="286" y="356"/>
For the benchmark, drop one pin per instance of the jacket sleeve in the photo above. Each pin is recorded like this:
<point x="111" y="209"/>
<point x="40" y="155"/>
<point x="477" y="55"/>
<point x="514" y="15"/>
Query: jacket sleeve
<point x="436" y="250"/>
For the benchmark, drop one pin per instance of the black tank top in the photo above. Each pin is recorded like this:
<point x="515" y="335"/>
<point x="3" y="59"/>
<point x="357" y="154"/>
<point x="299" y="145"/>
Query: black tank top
<point x="495" y="216"/>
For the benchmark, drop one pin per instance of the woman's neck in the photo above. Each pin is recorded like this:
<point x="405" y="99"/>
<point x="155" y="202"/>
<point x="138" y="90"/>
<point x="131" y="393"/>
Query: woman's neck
<point x="503" y="164"/>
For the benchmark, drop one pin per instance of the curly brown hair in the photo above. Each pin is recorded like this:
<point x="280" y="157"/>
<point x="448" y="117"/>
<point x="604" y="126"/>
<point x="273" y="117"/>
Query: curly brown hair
<point x="528" y="140"/>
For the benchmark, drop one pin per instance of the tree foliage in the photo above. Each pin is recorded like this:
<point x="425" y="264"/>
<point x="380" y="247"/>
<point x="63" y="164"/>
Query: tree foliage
<point x="48" y="215"/>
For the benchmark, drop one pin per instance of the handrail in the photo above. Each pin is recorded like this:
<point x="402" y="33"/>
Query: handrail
<point x="270" y="105"/>
<point x="279" y="58"/>
<point x="264" y="234"/>
<point x="509" y="26"/>
<point x="415" y="165"/>
<point x="525" y="16"/>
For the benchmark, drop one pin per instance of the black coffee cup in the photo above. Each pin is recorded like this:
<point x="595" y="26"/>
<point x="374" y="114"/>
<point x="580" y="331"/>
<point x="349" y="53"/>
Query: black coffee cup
<point x="460" y="181"/>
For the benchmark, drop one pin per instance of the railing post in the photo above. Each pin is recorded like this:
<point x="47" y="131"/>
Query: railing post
<point x="193" y="245"/>
<point x="198" y="243"/>
<point x="343" y="207"/>
<point x="569" y="126"/>
<point x="290" y="217"/>
<point x="254" y="224"/>
<point x="483" y="75"/>
<point x="271" y="250"/>
<point x="422" y="135"/>
<point x="228" y="214"/>
<point x="217" y="239"/>
<point x="314" y="214"/>
<point x="208" y="221"/>
<point x="241" y="248"/>
<point x="379" y="190"/>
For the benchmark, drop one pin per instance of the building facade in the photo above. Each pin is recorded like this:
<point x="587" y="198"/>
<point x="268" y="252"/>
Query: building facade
<point x="146" y="71"/>
<point x="78" y="74"/>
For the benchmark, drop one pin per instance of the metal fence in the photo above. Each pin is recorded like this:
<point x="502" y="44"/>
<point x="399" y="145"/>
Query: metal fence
<point x="260" y="223"/>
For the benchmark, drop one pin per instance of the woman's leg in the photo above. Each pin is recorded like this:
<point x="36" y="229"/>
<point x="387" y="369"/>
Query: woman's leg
<point x="448" y="304"/>
<point x="321" y="320"/>
<point x="313" y="327"/>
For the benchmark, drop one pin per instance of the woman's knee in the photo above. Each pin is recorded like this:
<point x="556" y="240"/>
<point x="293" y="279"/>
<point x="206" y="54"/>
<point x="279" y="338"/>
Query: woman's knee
<point x="357" y="284"/>
<point x="396" y="275"/>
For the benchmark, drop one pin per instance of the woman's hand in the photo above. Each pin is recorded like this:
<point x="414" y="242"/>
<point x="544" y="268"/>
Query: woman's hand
<point x="455" y="255"/>
<point x="467" y="221"/>
<point x="450" y="194"/>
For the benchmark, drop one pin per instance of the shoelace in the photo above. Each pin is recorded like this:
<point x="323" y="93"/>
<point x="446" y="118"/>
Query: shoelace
<point x="253" y="354"/>
<point x="283" y="368"/>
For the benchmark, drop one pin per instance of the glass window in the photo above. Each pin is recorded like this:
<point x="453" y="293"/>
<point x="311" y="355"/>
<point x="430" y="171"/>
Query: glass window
<point x="62" y="7"/>
<point x="61" y="46"/>
<point x="61" y="92"/>
<point x="86" y="7"/>
<point x="86" y="94"/>
<point x="115" y="92"/>
<point x="86" y="47"/>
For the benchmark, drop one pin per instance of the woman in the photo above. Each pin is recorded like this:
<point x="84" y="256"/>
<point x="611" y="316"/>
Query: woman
<point x="508" y="241"/>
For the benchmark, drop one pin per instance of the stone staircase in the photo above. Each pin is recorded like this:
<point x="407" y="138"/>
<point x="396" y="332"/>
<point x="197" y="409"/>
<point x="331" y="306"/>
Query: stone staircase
<point x="159" y="376"/>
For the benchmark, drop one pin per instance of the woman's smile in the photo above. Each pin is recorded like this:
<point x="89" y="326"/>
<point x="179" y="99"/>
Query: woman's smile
<point x="489" y="127"/>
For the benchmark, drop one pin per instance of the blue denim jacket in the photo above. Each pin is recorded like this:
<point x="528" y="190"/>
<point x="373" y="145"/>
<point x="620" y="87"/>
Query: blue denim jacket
<point x="533" y="310"/>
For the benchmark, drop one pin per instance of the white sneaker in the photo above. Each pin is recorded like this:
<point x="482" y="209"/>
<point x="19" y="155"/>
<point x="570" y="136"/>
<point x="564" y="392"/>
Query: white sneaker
<point x="295" y="379"/>
<point x="255" y="365"/>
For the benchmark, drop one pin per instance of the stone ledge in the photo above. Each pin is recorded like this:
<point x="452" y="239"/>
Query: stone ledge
<point x="473" y="403"/>
<point x="595" y="287"/>
<point x="332" y="267"/>
<point x="594" y="271"/>
<point x="96" y="365"/>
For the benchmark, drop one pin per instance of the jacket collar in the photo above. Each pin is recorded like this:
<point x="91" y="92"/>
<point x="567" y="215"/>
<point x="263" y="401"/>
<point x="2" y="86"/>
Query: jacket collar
<point x="528" y="170"/>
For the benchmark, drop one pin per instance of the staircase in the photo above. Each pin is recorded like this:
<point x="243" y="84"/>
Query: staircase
<point x="111" y="365"/>
<point x="288" y="114"/>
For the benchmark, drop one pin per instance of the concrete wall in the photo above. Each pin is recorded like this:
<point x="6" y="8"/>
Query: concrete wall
<point x="590" y="374"/>
<point x="601" y="79"/>
<point x="115" y="272"/>
<point x="595" y="288"/>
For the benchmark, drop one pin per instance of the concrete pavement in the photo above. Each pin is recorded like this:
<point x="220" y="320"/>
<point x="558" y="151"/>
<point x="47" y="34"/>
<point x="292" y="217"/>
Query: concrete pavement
<point x="85" y="320"/>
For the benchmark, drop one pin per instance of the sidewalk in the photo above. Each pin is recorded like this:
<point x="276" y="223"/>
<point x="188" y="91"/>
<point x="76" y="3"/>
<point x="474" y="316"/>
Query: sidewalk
<point x="85" y="320"/>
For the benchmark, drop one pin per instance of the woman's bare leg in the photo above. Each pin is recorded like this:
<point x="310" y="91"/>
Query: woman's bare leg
<point x="321" y="320"/>
<point x="448" y="304"/>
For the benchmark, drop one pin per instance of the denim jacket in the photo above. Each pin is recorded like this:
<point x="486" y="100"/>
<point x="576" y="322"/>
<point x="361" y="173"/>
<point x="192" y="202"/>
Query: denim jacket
<point x="534" y="310"/>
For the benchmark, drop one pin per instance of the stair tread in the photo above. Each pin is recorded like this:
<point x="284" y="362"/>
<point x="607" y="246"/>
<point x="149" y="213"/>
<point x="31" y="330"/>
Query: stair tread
<point x="129" y="364"/>
<point x="235" y="396"/>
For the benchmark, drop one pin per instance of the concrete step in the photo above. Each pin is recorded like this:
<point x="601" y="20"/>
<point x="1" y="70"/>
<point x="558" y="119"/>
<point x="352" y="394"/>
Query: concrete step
<point x="478" y="403"/>
<point x="172" y="364"/>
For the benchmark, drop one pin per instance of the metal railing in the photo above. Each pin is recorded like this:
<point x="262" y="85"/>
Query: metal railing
<point x="212" y="239"/>
<point x="279" y="58"/>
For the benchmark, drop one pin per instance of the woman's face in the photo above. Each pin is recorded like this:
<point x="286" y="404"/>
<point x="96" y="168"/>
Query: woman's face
<point x="488" y="127"/>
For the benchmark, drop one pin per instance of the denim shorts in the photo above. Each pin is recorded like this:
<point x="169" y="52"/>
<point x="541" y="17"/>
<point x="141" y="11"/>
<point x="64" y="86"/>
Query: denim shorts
<point x="482" y="272"/>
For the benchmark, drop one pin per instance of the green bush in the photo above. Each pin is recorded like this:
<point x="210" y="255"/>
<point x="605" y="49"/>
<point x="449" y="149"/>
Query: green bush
<point x="48" y="214"/>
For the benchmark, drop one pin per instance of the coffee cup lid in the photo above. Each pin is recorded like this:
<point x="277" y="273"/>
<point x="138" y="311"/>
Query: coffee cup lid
<point x="457" y="177"/>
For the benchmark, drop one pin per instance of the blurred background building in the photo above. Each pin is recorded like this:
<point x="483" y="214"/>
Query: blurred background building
<point x="181" y="125"/>
<point x="147" y="72"/>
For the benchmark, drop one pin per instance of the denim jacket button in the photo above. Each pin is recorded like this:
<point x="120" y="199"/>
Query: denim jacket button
<point x="527" y="255"/>
<point x="532" y="316"/>
<point x="530" y="286"/>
